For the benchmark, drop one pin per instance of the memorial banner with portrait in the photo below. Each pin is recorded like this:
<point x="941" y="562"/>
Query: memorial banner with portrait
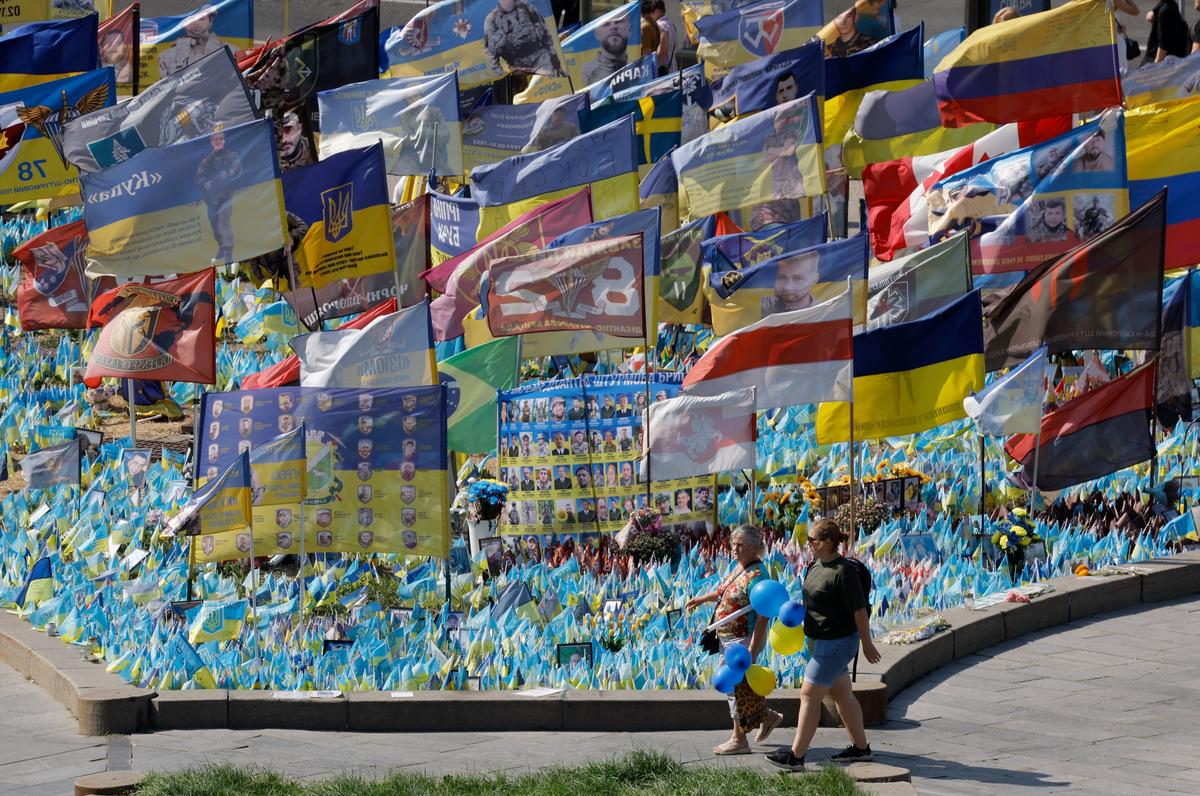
<point x="388" y="488"/>
<point x="570" y="453"/>
<point x="790" y="281"/>
<point x="492" y="133"/>
<point x="1031" y="205"/>
<point x="168" y="44"/>
<point x="209" y="201"/>
<point x="483" y="40"/>
<point x="595" y="51"/>
<point x="119" y="47"/>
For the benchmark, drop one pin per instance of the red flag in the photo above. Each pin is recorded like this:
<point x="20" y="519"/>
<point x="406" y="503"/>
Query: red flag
<point x="895" y="189"/>
<point x="119" y="44"/>
<point x="54" y="293"/>
<point x="288" y="371"/>
<point x="163" y="330"/>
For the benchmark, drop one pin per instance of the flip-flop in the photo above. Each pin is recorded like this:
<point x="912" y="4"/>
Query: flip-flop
<point x="725" y="749"/>
<point x="768" y="726"/>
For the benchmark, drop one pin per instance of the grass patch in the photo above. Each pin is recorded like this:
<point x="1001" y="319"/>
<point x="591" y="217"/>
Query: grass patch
<point x="642" y="773"/>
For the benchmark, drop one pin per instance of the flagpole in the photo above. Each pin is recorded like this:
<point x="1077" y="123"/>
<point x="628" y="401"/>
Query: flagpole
<point x="853" y="492"/>
<point x="254" y="604"/>
<point x="136" y="55"/>
<point x="1035" y="494"/>
<point x="982" y="481"/>
<point x="191" y="564"/>
<point x="303" y="500"/>
<point x="132" y="414"/>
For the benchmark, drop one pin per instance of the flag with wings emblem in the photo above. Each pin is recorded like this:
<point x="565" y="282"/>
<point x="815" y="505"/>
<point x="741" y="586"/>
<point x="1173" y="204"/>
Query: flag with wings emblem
<point x="51" y="122"/>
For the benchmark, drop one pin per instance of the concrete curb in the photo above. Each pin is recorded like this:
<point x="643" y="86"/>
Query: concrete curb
<point x="103" y="703"/>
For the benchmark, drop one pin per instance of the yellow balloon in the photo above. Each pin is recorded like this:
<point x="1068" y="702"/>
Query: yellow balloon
<point x="786" y="640"/>
<point x="760" y="679"/>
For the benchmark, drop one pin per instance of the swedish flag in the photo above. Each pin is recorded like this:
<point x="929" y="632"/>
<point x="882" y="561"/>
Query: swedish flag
<point x="658" y="122"/>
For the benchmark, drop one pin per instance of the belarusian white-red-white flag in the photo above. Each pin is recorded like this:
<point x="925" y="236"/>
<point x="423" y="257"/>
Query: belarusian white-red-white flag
<point x="897" y="213"/>
<point x="800" y="357"/>
<point x="697" y="435"/>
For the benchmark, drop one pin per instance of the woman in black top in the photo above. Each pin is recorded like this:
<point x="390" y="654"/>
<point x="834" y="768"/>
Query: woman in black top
<point x="835" y="619"/>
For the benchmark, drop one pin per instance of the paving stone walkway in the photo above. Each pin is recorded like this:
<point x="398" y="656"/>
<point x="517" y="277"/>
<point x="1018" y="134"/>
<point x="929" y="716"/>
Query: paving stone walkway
<point x="1105" y="705"/>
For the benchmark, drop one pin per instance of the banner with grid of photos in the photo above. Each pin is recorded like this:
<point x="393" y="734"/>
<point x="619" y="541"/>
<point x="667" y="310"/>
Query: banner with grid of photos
<point x="895" y="493"/>
<point x="570" y="453"/>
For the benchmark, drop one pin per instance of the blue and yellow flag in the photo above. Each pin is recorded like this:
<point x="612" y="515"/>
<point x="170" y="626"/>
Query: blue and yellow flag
<point x="32" y="165"/>
<point x="222" y="504"/>
<point x="216" y="621"/>
<point x="768" y="81"/>
<point x="1191" y="321"/>
<point x="182" y="654"/>
<point x="739" y="250"/>
<point x="39" y="585"/>
<point x="1170" y="79"/>
<point x="278" y="469"/>
<point x="43" y="51"/>
<point x="168" y="44"/>
<point x="752" y="31"/>
<point x="912" y="376"/>
<point x="477" y="38"/>
<point x="658" y="122"/>
<point x="897" y="63"/>
<point x="660" y="188"/>
<point x="344" y="201"/>
<point x="606" y="159"/>
<point x="770" y="156"/>
<point x="593" y="52"/>
<point x="177" y="209"/>
<point x="790" y="281"/>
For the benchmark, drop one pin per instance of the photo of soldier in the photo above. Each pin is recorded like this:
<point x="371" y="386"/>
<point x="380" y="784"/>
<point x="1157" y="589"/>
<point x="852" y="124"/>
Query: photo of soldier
<point x="514" y="32"/>
<point x="216" y="175"/>
<point x="1096" y="155"/>
<point x="1094" y="213"/>
<point x="613" y="37"/>
<point x="115" y="51"/>
<point x="1049" y="221"/>
<point x="197" y="41"/>
<point x="795" y="277"/>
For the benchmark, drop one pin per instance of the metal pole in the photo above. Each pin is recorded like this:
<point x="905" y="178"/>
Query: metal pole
<point x="303" y="527"/>
<point x="853" y="493"/>
<point x="982" y="485"/>
<point x="132" y="414"/>
<point x="1035" y="494"/>
<point x="254" y="603"/>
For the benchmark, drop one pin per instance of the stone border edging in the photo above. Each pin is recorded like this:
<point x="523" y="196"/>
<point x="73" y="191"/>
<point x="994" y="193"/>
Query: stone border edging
<point x="103" y="703"/>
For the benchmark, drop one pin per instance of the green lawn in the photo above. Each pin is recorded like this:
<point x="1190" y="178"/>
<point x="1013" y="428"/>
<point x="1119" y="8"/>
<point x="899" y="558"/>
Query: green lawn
<point x="636" y="773"/>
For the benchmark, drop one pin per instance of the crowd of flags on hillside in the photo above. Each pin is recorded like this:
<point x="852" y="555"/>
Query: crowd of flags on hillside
<point x="429" y="206"/>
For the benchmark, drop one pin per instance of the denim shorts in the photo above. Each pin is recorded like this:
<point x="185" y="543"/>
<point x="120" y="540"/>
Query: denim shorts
<point x="828" y="659"/>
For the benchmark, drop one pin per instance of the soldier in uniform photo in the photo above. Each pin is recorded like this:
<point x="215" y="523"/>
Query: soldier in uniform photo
<point x="514" y="31"/>
<point x="1051" y="223"/>
<point x="613" y="37"/>
<point x="795" y="278"/>
<point x="197" y="41"/>
<point x="216" y="176"/>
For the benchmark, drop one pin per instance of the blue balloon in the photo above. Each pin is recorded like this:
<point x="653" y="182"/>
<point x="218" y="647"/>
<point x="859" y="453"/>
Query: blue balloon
<point x="791" y="614"/>
<point x="726" y="679"/>
<point x="737" y="658"/>
<point x="767" y="597"/>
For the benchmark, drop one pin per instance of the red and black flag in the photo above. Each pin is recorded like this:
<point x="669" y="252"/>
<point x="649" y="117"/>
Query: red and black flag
<point x="334" y="52"/>
<point x="54" y="293"/>
<point x="1104" y="293"/>
<point x="164" y="330"/>
<point x="1100" y="432"/>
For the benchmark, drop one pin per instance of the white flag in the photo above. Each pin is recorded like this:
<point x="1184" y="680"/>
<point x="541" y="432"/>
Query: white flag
<point x="696" y="435"/>
<point x="1013" y="404"/>
<point x="394" y="350"/>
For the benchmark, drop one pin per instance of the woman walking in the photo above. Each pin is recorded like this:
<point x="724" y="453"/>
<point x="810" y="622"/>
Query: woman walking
<point x="748" y="709"/>
<point x="835" y="620"/>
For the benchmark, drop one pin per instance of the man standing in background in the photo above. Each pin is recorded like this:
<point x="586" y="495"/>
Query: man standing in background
<point x="666" y="39"/>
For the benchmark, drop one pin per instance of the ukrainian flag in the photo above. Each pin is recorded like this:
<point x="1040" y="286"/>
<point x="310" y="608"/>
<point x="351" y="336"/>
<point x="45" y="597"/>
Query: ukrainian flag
<point x="1056" y="63"/>
<point x="279" y="469"/>
<point x="166" y="48"/>
<point x="216" y="621"/>
<point x="1172" y="78"/>
<point x="584" y="54"/>
<point x="222" y="504"/>
<point x="184" y="655"/>
<point x="1192" y="322"/>
<point x="789" y="281"/>
<point x="208" y="201"/>
<point x="31" y="161"/>
<point x="39" y="585"/>
<point x="43" y="51"/>
<point x="912" y="376"/>
<point x="1161" y="152"/>
<point x="605" y="159"/>
<point x="895" y="63"/>
<point x="344" y="199"/>
<point x="752" y="31"/>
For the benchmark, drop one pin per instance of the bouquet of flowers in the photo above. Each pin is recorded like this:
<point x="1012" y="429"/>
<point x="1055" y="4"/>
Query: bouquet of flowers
<point x="644" y="537"/>
<point x="487" y="498"/>
<point x="1013" y="542"/>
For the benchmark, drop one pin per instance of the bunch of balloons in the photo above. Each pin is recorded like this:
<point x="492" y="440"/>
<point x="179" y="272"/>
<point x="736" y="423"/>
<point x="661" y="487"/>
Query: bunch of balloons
<point x="768" y="598"/>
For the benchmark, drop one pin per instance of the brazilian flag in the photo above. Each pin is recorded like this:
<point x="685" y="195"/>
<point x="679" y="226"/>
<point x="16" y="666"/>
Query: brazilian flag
<point x="473" y="378"/>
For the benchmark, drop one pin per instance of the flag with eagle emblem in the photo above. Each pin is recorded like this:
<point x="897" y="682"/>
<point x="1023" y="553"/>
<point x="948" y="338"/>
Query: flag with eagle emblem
<point x="32" y="121"/>
<point x="161" y="330"/>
